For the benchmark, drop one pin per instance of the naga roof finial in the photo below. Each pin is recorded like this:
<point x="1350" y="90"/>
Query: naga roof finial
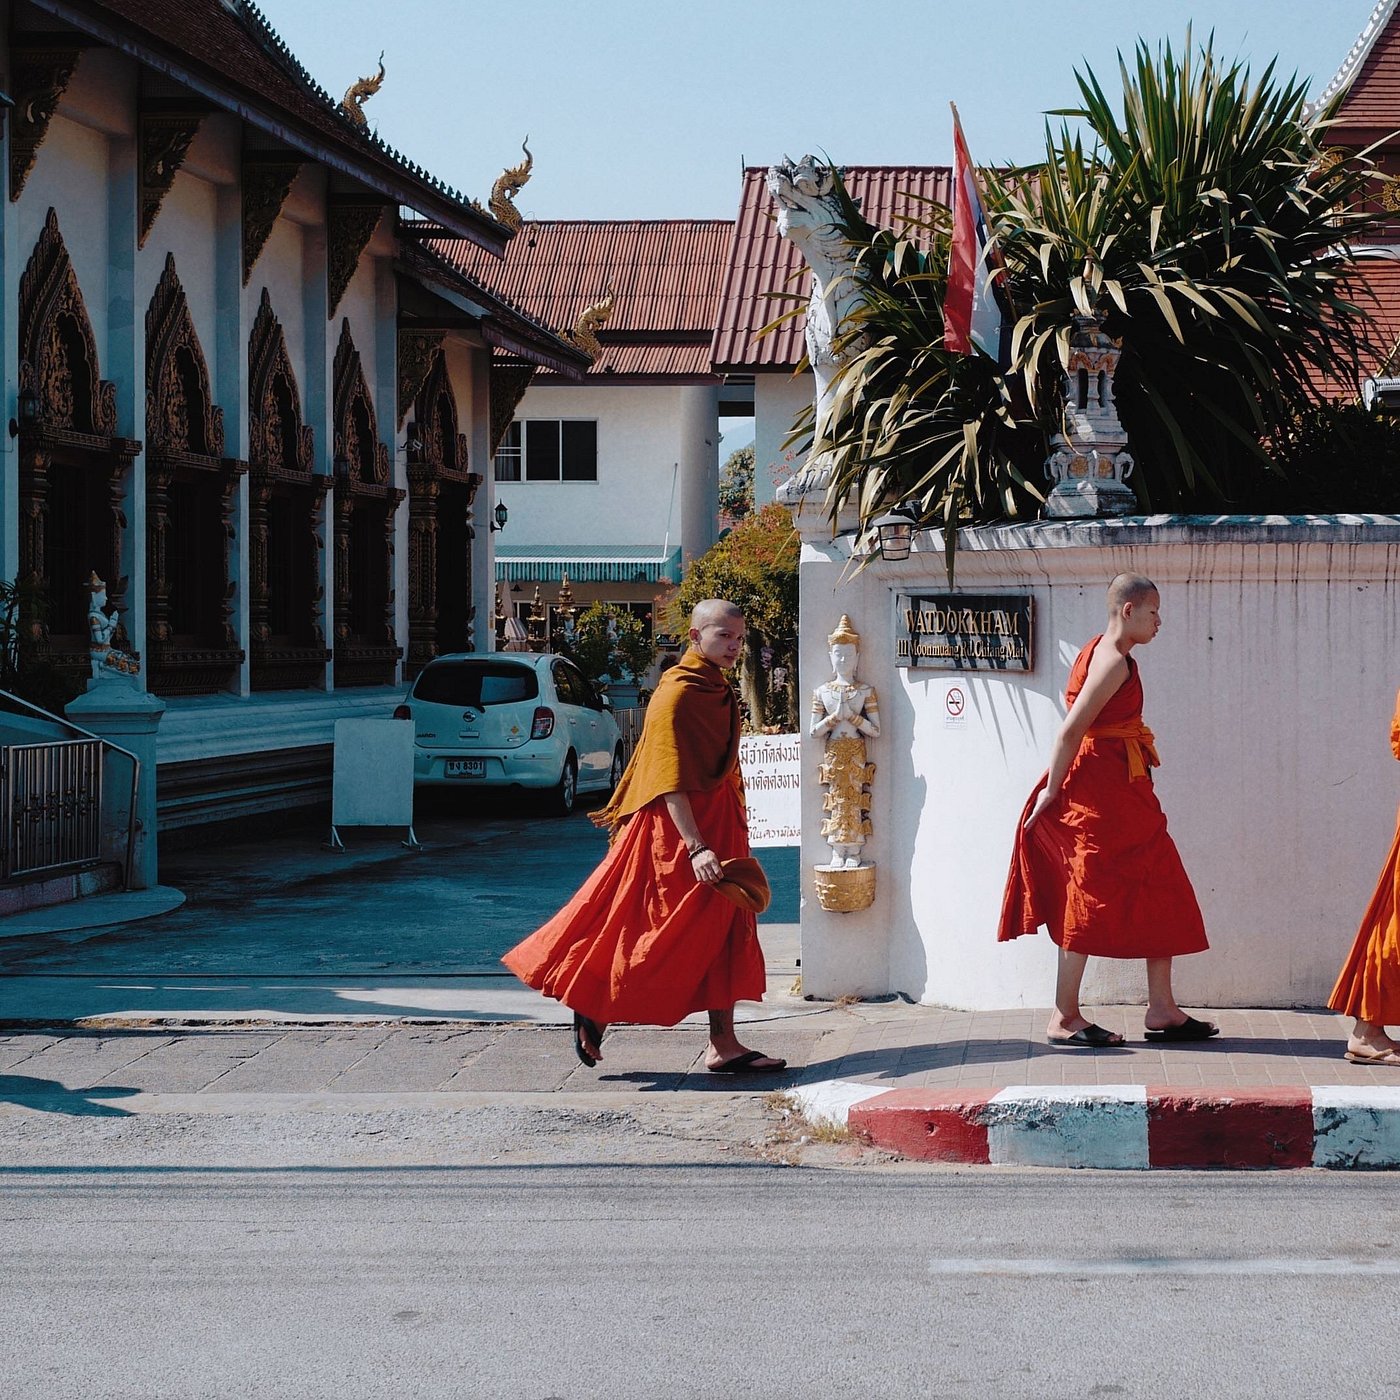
<point x="593" y="319"/>
<point x="358" y="93"/>
<point x="511" y="182"/>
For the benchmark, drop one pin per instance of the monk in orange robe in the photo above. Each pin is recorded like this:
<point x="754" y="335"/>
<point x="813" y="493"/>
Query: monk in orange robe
<point x="1369" y="985"/>
<point x="1093" y="861"/>
<point x="659" y="930"/>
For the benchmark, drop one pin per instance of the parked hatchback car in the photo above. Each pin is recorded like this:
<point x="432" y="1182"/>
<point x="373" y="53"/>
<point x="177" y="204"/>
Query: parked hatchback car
<point x="513" y="720"/>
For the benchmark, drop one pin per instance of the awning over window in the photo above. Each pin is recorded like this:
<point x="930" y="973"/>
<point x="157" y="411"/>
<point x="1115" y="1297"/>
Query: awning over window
<point x="619" y="563"/>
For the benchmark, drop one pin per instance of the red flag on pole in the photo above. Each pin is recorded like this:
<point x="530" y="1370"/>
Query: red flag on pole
<point x="972" y="314"/>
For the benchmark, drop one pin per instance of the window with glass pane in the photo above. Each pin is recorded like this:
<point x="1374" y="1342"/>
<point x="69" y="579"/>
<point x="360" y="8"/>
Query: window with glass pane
<point x="579" y="460"/>
<point x="542" y="449"/>
<point x="508" y="455"/>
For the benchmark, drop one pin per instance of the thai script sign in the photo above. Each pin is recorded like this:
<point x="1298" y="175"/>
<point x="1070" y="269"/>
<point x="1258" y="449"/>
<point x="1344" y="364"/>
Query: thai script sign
<point x="964" y="631"/>
<point x="772" y="769"/>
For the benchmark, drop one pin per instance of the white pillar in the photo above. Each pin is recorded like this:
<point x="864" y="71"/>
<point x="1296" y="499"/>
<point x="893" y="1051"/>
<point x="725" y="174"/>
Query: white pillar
<point x="698" y="418"/>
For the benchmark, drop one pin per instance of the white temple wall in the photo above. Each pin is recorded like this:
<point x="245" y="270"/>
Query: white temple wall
<point x="71" y="175"/>
<point x="1270" y="691"/>
<point x="646" y="436"/>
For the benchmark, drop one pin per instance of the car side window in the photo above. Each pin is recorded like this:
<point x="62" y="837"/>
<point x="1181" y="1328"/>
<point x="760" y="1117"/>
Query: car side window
<point x="564" y="684"/>
<point x="587" y="695"/>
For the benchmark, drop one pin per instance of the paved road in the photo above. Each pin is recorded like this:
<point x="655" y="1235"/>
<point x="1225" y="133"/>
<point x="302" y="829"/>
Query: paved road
<point x="723" y="1280"/>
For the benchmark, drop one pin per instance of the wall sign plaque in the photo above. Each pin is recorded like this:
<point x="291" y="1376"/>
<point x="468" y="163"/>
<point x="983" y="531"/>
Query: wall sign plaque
<point x="964" y="631"/>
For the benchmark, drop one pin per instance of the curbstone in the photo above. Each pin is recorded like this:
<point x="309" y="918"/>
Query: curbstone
<point x="1125" y="1126"/>
<point x="1355" y="1129"/>
<point x="928" y="1127"/>
<point x="1034" y="1126"/>
<point x="1267" y="1127"/>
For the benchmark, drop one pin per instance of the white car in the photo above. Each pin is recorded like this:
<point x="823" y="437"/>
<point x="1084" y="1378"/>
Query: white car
<point x="512" y="720"/>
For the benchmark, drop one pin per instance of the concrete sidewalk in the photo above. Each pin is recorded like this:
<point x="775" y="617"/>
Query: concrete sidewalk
<point x="1270" y="1091"/>
<point x="291" y="971"/>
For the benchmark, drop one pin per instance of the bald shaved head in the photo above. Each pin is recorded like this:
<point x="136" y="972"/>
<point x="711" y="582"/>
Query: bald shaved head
<point x="714" y="610"/>
<point x="1128" y="588"/>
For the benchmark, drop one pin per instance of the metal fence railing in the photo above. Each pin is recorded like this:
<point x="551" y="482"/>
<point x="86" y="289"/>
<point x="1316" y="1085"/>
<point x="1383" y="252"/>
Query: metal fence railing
<point x="51" y="799"/>
<point x="629" y="725"/>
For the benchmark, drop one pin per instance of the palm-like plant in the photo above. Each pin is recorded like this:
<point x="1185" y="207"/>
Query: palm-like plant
<point x="1212" y="234"/>
<point x="1206" y="227"/>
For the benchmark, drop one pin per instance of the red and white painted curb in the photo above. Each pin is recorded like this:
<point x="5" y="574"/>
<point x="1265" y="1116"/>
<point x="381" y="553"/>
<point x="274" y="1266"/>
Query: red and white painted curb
<point x="1121" y="1126"/>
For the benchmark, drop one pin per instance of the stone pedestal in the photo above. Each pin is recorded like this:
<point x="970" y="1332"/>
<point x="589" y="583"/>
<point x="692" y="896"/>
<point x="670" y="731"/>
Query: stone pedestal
<point x="115" y="708"/>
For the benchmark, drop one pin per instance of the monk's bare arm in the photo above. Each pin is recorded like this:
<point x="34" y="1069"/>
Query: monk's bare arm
<point x="705" y="863"/>
<point x="1107" y="672"/>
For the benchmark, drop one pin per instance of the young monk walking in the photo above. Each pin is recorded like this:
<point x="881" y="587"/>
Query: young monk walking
<point x="1369" y="985"/>
<point x="1093" y="861"/>
<point x="667" y="924"/>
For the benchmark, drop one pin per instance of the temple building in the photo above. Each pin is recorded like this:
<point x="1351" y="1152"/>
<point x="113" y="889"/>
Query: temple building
<point x="611" y="481"/>
<point x="245" y="390"/>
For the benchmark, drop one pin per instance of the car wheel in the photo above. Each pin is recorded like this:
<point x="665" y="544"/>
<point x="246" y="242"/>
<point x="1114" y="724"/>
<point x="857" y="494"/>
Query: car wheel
<point x="615" y="773"/>
<point x="564" y="793"/>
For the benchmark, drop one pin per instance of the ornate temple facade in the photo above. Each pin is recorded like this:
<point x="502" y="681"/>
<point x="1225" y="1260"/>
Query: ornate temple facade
<point x="242" y="390"/>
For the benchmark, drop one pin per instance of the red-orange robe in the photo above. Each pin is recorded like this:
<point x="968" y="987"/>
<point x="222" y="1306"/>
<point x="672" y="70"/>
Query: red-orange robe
<point x="1369" y="984"/>
<point x="643" y="940"/>
<point x="1098" y="868"/>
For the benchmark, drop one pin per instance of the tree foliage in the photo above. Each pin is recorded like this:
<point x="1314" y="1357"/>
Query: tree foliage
<point x="754" y="567"/>
<point x="736" y="484"/>
<point x="610" y="642"/>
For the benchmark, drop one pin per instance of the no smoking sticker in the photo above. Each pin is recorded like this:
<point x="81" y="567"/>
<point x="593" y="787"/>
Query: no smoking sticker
<point x="954" y="707"/>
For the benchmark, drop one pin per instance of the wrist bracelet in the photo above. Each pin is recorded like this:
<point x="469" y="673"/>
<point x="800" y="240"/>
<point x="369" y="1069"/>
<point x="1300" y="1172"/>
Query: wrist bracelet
<point x="693" y="851"/>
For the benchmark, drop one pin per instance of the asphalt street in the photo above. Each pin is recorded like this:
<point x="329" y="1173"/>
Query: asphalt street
<point x="577" y="1280"/>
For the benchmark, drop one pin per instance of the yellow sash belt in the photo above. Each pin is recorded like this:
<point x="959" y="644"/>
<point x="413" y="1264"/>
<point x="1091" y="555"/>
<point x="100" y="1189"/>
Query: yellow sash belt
<point x="1137" y="737"/>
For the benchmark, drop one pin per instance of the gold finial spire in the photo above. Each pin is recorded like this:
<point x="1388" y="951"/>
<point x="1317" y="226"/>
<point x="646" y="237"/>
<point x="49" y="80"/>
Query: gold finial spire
<point x="591" y="321"/>
<point x="510" y="184"/>
<point x="844" y="635"/>
<point x="358" y="93"/>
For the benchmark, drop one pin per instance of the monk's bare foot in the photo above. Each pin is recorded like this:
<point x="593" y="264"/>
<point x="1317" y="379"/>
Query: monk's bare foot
<point x="588" y="1039"/>
<point x="1062" y="1026"/>
<point x="1369" y="1042"/>
<point x="744" y="1062"/>
<point x="1166" y="1019"/>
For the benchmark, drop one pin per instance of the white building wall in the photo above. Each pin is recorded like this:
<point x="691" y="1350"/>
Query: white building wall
<point x="1270" y="691"/>
<point x="650" y="441"/>
<point x="777" y="399"/>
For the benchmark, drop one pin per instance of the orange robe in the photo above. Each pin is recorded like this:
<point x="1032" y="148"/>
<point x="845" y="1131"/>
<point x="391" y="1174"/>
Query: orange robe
<point x="1369" y="984"/>
<point x="1098" y="868"/>
<point x="643" y="940"/>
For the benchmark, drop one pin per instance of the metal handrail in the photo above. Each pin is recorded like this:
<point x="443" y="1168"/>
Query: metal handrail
<point x="116" y="748"/>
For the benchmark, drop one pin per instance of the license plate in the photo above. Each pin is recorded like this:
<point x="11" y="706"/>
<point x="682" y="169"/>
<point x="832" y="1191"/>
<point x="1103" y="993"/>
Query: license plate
<point x="465" y="767"/>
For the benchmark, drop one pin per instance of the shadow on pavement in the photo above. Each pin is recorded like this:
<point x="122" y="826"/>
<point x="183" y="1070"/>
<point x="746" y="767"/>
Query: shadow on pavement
<point x="49" y="1096"/>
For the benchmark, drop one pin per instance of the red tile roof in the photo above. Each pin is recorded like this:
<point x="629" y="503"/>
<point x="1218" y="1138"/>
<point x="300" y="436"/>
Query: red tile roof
<point x="762" y="263"/>
<point x="665" y="274"/>
<point x="227" y="52"/>
<point x="1370" y="78"/>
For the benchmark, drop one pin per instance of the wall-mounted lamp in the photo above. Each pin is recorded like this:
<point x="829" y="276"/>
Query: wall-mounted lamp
<point x="501" y="516"/>
<point x="895" y="532"/>
<point x="28" y="409"/>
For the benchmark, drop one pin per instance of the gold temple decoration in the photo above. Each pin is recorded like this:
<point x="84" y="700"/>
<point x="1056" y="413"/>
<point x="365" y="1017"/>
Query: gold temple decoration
<point x="1390" y="196"/>
<point x="593" y="319"/>
<point x="510" y="183"/>
<point x="845" y="712"/>
<point x="358" y="93"/>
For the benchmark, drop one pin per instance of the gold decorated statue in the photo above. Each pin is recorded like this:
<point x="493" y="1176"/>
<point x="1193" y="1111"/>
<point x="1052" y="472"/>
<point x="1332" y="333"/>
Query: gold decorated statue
<point x="845" y="714"/>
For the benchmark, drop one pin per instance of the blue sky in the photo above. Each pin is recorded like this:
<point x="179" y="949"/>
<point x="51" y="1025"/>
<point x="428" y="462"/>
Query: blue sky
<point x="647" y="108"/>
